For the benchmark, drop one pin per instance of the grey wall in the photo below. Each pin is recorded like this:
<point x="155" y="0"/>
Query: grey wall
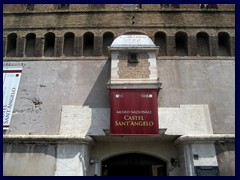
<point x="47" y="85"/>
<point x="29" y="160"/>
<point x="53" y="84"/>
<point x="209" y="82"/>
<point x="226" y="158"/>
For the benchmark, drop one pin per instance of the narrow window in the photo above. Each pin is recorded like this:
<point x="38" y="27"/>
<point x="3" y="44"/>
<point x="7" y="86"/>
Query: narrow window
<point x="107" y="41"/>
<point x="132" y="57"/>
<point x="169" y="6"/>
<point x="11" y="45"/>
<point x="63" y="6"/>
<point x="97" y="6"/>
<point x="29" y="7"/>
<point x="212" y="6"/>
<point x="49" y="44"/>
<point x="202" y="6"/>
<point x="165" y="5"/>
<point x="176" y="6"/>
<point x="160" y="40"/>
<point x="68" y="47"/>
<point x="208" y="6"/>
<point x="181" y="44"/>
<point x="30" y="45"/>
<point x="203" y="44"/>
<point x="88" y="44"/>
<point x="223" y="44"/>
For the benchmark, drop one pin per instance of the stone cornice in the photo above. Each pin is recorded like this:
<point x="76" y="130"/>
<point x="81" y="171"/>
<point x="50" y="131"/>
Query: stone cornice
<point x="47" y="139"/>
<point x="205" y="138"/>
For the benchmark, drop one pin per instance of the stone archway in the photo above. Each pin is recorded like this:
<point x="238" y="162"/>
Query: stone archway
<point x="134" y="164"/>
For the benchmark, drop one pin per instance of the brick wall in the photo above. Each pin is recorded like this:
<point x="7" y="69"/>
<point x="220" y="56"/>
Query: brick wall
<point x="108" y="7"/>
<point x="133" y="70"/>
<point x="148" y="21"/>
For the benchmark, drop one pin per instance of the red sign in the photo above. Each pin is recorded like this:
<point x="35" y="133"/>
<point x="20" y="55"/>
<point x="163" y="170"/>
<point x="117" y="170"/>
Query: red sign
<point x="134" y="112"/>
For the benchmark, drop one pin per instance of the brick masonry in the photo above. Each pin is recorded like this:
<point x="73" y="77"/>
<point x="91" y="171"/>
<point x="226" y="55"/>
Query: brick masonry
<point x="133" y="70"/>
<point x="118" y="20"/>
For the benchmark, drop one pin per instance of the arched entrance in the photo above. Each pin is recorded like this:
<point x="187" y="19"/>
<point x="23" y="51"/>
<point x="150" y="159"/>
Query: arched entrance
<point x="134" y="164"/>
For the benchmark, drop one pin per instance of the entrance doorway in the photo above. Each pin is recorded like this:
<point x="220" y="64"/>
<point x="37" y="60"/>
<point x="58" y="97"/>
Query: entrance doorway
<point x="134" y="164"/>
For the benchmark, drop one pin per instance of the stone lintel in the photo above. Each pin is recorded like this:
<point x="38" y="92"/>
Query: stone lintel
<point x="138" y="48"/>
<point x="134" y="84"/>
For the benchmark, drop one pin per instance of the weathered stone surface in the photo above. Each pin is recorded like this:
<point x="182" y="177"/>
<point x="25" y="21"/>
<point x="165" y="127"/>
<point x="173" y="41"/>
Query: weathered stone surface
<point x="72" y="160"/>
<point x="29" y="160"/>
<point x="201" y="82"/>
<point x="193" y="119"/>
<point x="60" y="83"/>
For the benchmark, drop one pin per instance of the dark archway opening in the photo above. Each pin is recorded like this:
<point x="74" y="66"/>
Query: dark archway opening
<point x="223" y="44"/>
<point x="203" y="44"/>
<point x="30" y="45"/>
<point x="108" y="38"/>
<point x="134" y="164"/>
<point x="49" y="44"/>
<point x="160" y="40"/>
<point x="68" y="46"/>
<point x="88" y="44"/>
<point x="181" y="44"/>
<point x="11" y="45"/>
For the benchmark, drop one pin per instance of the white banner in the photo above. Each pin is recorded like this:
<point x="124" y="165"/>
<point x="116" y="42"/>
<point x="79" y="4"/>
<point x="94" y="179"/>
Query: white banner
<point x="11" y="79"/>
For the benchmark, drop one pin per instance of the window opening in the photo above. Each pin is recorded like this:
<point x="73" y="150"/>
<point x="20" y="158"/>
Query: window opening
<point x="133" y="57"/>
<point x="29" y="7"/>
<point x="203" y="44"/>
<point x="160" y="40"/>
<point x="223" y="44"/>
<point x="181" y="44"/>
<point x="63" y="6"/>
<point x="107" y="41"/>
<point x="11" y="45"/>
<point x="49" y="44"/>
<point x="30" y="45"/>
<point x="88" y="44"/>
<point x="68" y="47"/>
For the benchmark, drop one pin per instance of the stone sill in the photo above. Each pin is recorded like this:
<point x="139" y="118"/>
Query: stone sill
<point x="62" y="58"/>
<point x="196" y="58"/>
<point x="70" y="139"/>
<point x="47" y="139"/>
<point x="205" y="138"/>
<point x="168" y="10"/>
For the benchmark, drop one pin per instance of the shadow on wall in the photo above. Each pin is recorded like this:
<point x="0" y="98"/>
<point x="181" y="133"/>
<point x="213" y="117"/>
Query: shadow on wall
<point x="226" y="151"/>
<point x="99" y="95"/>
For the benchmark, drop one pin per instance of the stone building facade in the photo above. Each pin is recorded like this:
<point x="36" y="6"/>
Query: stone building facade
<point x="72" y="55"/>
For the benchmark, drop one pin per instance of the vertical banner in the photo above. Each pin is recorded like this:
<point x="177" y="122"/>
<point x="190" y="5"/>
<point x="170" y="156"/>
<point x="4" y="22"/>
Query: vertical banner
<point x="11" y="79"/>
<point x="134" y="112"/>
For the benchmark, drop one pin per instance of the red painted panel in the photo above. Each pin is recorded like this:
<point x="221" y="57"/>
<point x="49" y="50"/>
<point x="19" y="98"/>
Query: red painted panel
<point x="134" y="112"/>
